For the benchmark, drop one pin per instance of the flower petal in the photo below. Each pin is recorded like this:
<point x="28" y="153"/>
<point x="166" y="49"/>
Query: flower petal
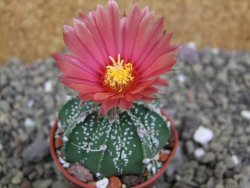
<point x="142" y="85"/>
<point x="131" y="26"/>
<point x="161" y="82"/>
<point x="70" y="65"/>
<point x="149" y="38"/>
<point x="75" y="45"/>
<point x="84" y="88"/>
<point x="102" y="96"/>
<point x="88" y="41"/>
<point x="166" y="60"/>
<point x="124" y="104"/>
<point x="108" y="105"/>
<point x="156" y="50"/>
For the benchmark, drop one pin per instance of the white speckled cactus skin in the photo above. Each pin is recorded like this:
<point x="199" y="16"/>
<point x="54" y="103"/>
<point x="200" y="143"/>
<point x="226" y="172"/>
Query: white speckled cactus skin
<point x="123" y="146"/>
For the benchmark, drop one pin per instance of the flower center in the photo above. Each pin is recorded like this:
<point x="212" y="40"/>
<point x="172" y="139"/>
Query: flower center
<point x="118" y="76"/>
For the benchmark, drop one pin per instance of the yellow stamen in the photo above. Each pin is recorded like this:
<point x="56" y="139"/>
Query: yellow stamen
<point x="118" y="76"/>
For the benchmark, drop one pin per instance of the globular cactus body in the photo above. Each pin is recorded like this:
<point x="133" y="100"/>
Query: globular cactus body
<point x="115" y="147"/>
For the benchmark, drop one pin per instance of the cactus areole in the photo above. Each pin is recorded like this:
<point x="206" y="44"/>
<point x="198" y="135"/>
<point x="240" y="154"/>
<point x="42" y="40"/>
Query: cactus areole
<point x="115" y="65"/>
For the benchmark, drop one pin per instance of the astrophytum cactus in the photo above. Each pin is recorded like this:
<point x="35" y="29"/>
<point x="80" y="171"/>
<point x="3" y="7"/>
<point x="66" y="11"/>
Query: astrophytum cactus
<point x="106" y="145"/>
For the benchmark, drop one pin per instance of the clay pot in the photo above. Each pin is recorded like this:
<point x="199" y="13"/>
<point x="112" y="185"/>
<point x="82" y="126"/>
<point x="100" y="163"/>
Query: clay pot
<point x="75" y="183"/>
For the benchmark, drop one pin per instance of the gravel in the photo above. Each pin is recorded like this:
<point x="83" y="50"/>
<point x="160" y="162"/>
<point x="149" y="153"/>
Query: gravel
<point x="209" y="88"/>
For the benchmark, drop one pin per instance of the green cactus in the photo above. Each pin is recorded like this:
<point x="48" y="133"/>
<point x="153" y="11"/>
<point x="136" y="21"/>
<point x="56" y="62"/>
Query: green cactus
<point x="122" y="146"/>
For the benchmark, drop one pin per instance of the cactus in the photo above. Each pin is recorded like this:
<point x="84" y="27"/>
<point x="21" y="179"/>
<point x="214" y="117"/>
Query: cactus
<point x="124" y="145"/>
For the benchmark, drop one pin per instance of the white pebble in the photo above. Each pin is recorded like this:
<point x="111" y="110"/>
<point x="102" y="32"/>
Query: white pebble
<point x="178" y="177"/>
<point x="156" y="157"/>
<point x="68" y="97"/>
<point x="203" y="135"/>
<point x="65" y="139"/>
<point x="191" y="45"/>
<point x="245" y="114"/>
<point x="29" y="122"/>
<point x="61" y="160"/>
<point x="154" y="170"/>
<point x="168" y="124"/>
<point x="181" y="78"/>
<point x="146" y="161"/>
<point x="103" y="183"/>
<point x="66" y="165"/>
<point x="48" y="86"/>
<point x="215" y="51"/>
<point x="235" y="160"/>
<point x="199" y="152"/>
<point x="30" y="103"/>
<point x="149" y="167"/>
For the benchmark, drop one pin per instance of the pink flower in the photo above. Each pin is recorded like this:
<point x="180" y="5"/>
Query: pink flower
<point x="115" y="60"/>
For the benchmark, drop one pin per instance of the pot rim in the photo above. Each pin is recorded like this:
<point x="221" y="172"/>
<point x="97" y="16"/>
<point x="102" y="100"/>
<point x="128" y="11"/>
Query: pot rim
<point x="76" y="181"/>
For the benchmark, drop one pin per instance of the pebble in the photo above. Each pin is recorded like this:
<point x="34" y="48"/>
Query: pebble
<point x="30" y="103"/>
<point x="203" y="135"/>
<point x="131" y="180"/>
<point x="26" y="184"/>
<point x="42" y="183"/>
<point x="199" y="152"/>
<point x="17" y="178"/>
<point x="235" y="160"/>
<point x="231" y="161"/>
<point x="245" y="114"/>
<point x="103" y="183"/>
<point x="181" y="78"/>
<point x="80" y="172"/>
<point x="208" y="157"/>
<point x="66" y="165"/>
<point x="190" y="147"/>
<point x="114" y="182"/>
<point x="48" y="86"/>
<point x="188" y="52"/>
<point x="36" y="151"/>
<point x="59" y="184"/>
<point x="230" y="183"/>
<point x="29" y="122"/>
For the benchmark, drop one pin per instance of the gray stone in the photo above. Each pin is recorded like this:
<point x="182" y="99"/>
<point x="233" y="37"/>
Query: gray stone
<point x="181" y="185"/>
<point x="219" y="170"/>
<point x="59" y="184"/>
<point x="17" y="162"/>
<point x="201" y="175"/>
<point x="26" y="184"/>
<point x="219" y="186"/>
<point x="210" y="183"/>
<point x="190" y="147"/>
<point x="17" y="178"/>
<point x="209" y="157"/>
<point x="216" y="146"/>
<point x="230" y="183"/>
<point x="229" y="162"/>
<point x="42" y="183"/>
<point x="188" y="52"/>
<point x="36" y="151"/>
<point x="80" y="172"/>
<point x="130" y="181"/>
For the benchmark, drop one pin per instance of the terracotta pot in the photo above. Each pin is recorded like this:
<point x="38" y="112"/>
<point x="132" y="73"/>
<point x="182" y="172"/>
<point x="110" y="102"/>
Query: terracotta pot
<point x="75" y="183"/>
